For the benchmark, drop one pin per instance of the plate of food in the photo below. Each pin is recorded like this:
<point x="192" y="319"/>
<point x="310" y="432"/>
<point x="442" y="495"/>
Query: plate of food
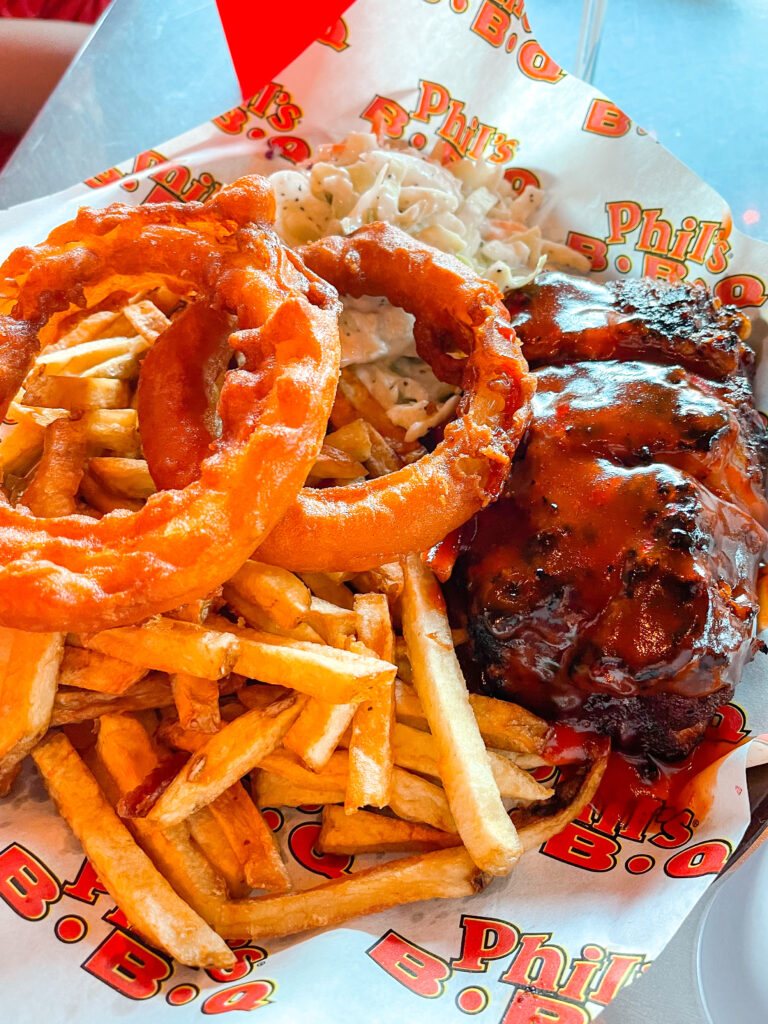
<point x="382" y="525"/>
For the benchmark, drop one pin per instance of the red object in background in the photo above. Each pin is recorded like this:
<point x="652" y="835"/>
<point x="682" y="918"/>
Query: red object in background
<point x="55" y="10"/>
<point x="7" y="146"/>
<point x="264" y="38"/>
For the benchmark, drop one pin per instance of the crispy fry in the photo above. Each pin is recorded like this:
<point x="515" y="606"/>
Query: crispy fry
<point x="534" y="829"/>
<point x="258" y="619"/>
<point x="29" y="668"/>
<point x="197" y="702"/>
<point x="353" y="439"/>
<point x="145" y="897"/>
<point x="8" y="779"/>
<point x="415" y="799"/>
<point x="21" y="448"/>
<point x="316" y="732"/>
<point x="80" y="360"/>
<point x="417" y="751"/>
<point x="411" y="797"/>
<point x="334" y="624"/>
<point x="386" y="579"/>
<point x="112" y="430"/>
<point x="323" y="585"/>
<point x="127" y="755"/>
<point x="69" y="706"/>
<point x="52" y="489"/>
<point x="127" y="477"/>
<point x="443" y="874"/>
<point x="339" y="677"/>
<point x="77" y="394"/>
<point x="102" y="499"/>
<point x="762" y="597"/>
<point x="169" y="645"/>
<point x="271" y="790"/>
<point x="334" y="464"/>
<point x="365" y="832"/>
<point x="196" y="611"/>
<point x="370" y="745"/>
<point x="503" y="725"/>
<point x="226" y="757"/>
<point x="251" y="838"/>
<point x="278" y="592"/>
<point x="146" y="318"/>
<point x="209" y="836"/>
<point x="473" y="795"/>
<point x="91" y="670"/>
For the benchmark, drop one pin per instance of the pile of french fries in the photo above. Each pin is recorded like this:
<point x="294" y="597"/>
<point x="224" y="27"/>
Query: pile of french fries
<point x="160" y="743"/>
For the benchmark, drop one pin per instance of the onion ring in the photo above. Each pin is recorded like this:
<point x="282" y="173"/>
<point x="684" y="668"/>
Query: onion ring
<point x="366" y="524"/>
<point x="363" y="525"/>
<point x="74" y="573"/>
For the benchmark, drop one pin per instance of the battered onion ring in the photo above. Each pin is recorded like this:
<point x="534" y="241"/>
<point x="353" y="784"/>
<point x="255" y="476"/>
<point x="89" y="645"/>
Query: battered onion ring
<point x="75" y="573"/>
<point x="362" y="525"/>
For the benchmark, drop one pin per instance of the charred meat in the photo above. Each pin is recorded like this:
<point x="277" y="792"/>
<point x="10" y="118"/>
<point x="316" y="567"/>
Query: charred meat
<point x="615" y="582"/>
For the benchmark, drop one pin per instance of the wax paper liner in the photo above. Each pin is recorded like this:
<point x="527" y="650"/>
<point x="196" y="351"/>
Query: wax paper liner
<point x="584" y="916"/>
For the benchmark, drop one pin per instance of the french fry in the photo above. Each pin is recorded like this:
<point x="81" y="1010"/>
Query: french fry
<point x="411" y="797"/>
<point x="339" y="677"/>
<point x="365" y="832"/>
<point x="52" y="490"/>
<point x="417" y="751"/>
<point x="8" y="778"/>
<point x="169" y="645"/>
<point x="415" y="799"/>
<point x="77" y="394"/>
<point x="96" y="325"/>
<point x="286" y="764"/>
<point x="503" y="725"/>
<point x="91" y="670"/>
<point x="323" y="585"/>
<point x="209" y="836"/>
<point x="112" y="430"/>
<point x="370" y="745"/>
<point x="334" y="464"/>
<point x="278" y="592"/>
<point x="197" y="702"/>
<point x="78" y="360"/>
<point x="384" y="459"/>
<point x="762" y="597"/>
<point x="102" y="499"/>
<point x="226" y="757"/>
<point x="21" y="448"/>
<point x="473" y="795"/>
<point x="442" y="874"/>
<point x="127" y="755"/>
<point x="29" y="669"/>
<point x="386" y="579"/>
<point x="334" y="624"/>
<point x="271" y="790"/>
<point x="353" y="439"/>
<point x="146" y="318"/>
<point x="258" y="619"/>
<point x="195" y="611"/>
<point x="127" y="477"/>
<point x="534" y="826"/>
<point x="251" y="838"/>
<point x="141" y="892"/>
<point x="316" y="732"/>
<point x="70" y="706"/>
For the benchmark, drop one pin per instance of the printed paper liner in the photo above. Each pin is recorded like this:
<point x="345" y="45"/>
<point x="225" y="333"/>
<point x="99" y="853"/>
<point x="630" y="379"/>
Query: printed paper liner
<point x="581" y="918"/>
